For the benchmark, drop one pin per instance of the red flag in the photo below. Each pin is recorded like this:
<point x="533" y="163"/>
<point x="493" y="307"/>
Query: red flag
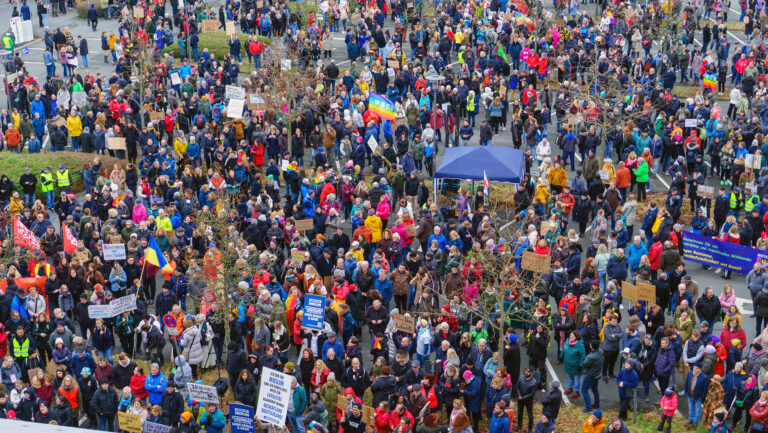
<point x="70" y="242"/>
<point x="23" y="236"/>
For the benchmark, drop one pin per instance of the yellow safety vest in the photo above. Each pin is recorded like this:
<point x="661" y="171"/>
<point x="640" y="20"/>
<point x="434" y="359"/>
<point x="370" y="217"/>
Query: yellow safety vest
<point x="461" y="57"/>
<point x="62" y="178"/>
<point x="47" y="179"/>
<point x="7" y="43"/>
<point x="21" y="350"/>
<point x="470" y="103"/>
<point x="47" y="268"/>
<point x="751" y="203"/>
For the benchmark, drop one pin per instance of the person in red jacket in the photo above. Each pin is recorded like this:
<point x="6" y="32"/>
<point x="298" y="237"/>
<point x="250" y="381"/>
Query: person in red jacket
<point x="654" y="258"/>
<point x="137" y="383"/>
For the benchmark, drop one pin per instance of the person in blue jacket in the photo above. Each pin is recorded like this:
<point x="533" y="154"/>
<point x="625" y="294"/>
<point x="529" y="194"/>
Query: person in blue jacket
<point x="627" y="381"/>
<point x="155" y="384"/>
<point x="499" y="419"/>
<point x="472" y="397"/>
<point x="696" y="385"/>
<point x="215" y="420"/>
<point x="492" y="398"/>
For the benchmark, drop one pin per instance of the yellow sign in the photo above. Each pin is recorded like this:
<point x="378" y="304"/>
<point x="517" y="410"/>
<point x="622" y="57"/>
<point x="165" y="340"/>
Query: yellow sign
<point x="129" y="422"/>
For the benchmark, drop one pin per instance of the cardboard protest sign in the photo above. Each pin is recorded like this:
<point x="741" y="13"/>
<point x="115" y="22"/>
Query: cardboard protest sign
<point x="114" y="251"/>
<point x="629" y="291"/>
<point x="645" y="291"/>
<point x="202" y="393"/>
<point x="544" y="227"/>
<point x="116" y="143"/>
<point x="274" y="396"/>
<point x="255" y="101"/>
<point x="230" y="28"/>
<point x="304" y="225"/>
<point x="404" y="323"/>
<point x="129" y="422"/>
<point x="138" y="13"/>
<point x="753" y="161"/>
<point x="705" y="191"/>
<point x="314" y="312"/>
<point x="540" y="263"/>
<point x="156" y="115"/>
<point x="210" y="26"/>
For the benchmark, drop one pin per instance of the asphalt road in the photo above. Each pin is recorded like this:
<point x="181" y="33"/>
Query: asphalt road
<point x="658" y="183"/>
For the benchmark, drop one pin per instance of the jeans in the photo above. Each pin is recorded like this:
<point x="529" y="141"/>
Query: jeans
<point x="50" y="70"/>
<point x="85" y="60"/>
<point x="590" y="383"/>
<point x="106" y="354"/>
<point x="29" y="199"/>
<point x="76" y="143"/>
<point x="574" y="382"/>
<point x="49" y="199"/>
<point x="296" y="421"/>
<point x="566" y="156"/>
<point x="106" y="423"/>
<point x="694" y="410"/>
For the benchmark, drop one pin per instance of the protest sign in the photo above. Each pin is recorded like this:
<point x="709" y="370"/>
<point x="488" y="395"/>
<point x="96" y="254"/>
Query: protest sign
<point x="691" y="123"/>
<point x="62" y="98"/>
<point x="204" y="393"/>
<point x="750" y="187"/>
<point x="404" y="323"/>
<point x="234" y="92"/>
<point x="304" y="225"/>
<point x="153" y="427"/>
<point x="536" y="262"/>
<point x="705" y="191"/>
<point x="341" y="403"/>
<point x="645" y="291"/>
<point x="175" y="79"/>
<point x="210" y="26"/>
<point x="129" y="422"/>
<point x="721" y="254"/>
<point x="629" y="291"/>
<point x="123" y="304"/>
<point x="100" y="311"/>
<point x="138" y="12"/>
<point x="235" y="108"/>
<point x="156" y="115"/>
<point x="393" y="63"/>
<point x="255" y="101"/>
<point x="79" y="99"/>
<point x="116" y="143"/>
<point x="284" y="163"/>
<point x="114" y="251"/>
<point x="604" y="175"/>
<point x="372" y="143"/>
<point x="274" y="397"/>
<point x="297" y="256"/>
<point x="544" y="227"/>
<point x="230" y="28"/>
<point x="369" y="418"/>
<point x="753" y="161"/>
<point x="314" y="312"/>
<point x="241" y="418"/>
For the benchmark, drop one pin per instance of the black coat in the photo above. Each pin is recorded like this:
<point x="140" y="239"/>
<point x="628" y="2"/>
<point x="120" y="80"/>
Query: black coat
<point x="245" y="392"/>
<point x="382" y="387"/>
<point x="173" y="405"/>
<point x="121" y="376"/>
<point x="62" y="414"/>
<point x="358" y="382"/>
<point x="551" y="403"/>
<point x="105" y="402"/>
<point x="237" y="360"/>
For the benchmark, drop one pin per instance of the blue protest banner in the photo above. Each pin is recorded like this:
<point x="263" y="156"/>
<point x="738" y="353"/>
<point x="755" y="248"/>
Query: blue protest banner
<point x="721" y="254"/>
<point x="241" y="418"/>
<point x="314" y="312"/>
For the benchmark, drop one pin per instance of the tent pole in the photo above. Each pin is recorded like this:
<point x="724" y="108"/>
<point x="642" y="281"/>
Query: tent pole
<point x="434" y="191"/>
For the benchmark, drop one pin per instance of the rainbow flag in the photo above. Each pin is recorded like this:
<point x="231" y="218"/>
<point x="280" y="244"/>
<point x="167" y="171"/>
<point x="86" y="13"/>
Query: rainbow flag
<point x="709" y="80"/>
<point x="154" y="255"/>
<point x="381" y="106"/>
<point x="501" y="53"/>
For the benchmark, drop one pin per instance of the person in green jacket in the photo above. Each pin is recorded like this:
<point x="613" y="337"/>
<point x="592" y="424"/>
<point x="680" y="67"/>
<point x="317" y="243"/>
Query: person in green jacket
<point x="573" y="358"/>
<point x="296" y="411"/>
<point x="641" y="176"/>
<point x="329" y="394"/>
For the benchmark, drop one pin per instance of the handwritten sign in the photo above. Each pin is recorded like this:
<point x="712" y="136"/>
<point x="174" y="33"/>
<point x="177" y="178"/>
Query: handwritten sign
<point x="210" y="26"/>
<point x="116" y="143"/>
<point x="234" y="92"/>
<point x="314" y="312"/>
<point x="536" y="262"/>
<point x="753" y="161"/>
<point x="204" y="393"/>
<point x="404" y="323"/>
<point x="175" y="79"/>
<point x="705" y="191"/>
<point x="235" y="108"/>
<point x="79" y="99"/>
<point x="129" y="422"/>
<point x="100" y="311"/>
<point x="230" y="28"/>
<point x="138" y="13"/>
<point x="629" y="291"/>
<point x="645" y="291"/>
<point x="114" y="251"/>
<point x="751" y="187"/>
<point x="153" y="427"/>
<point x="604" y="175"/>
<point x="691" y="123"/>
<point x="156" y="115"/>
<point x="304" y="225"/>
<point x="123" y="304"/>
<point x="274" y="396"/>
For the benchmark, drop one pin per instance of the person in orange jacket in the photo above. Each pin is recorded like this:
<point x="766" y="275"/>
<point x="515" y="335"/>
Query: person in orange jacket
<point x="13" y="138"/>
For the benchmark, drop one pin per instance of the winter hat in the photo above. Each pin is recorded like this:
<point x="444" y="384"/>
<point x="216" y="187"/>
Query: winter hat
<point x="513" y="338"/>
<point x="289" y="366"/>
<point x="187" y="416"/>
<point x="85" y="370"/>
<point x="709" y="350"/>
<point x="669" y="392"/>
<point x="598" y="414"/>
<point x="467" y="375"/>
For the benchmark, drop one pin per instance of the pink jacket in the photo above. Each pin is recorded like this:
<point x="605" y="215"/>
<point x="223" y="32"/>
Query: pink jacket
<point x="669" y="405"/>
<point x="726" y="301"/>
<point x="139" y="213"/>
<point x="382" y="209"/>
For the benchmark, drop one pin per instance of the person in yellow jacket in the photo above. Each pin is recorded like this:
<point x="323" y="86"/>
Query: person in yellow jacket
<point x="595" y="423"/>
<point x="542" y="190"/>
<point x="374" y="223"/>
<point x="558" y="178"/>
<point x="356" y="252"/>
<point x="75" y="128"/>
<point x="180" y="144"/>
<point x="164" y="222"/>
<point x="608" y="166"/>
<point x="16" y="205"/>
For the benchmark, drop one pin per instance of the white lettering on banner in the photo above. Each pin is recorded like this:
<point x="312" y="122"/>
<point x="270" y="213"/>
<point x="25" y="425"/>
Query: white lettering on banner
<point x="202" y="393"/>
<point x="100" y="311"/>
<point x="274" y="397"/>
<point x="234" y="92"/>
<point x="114" y="251"/>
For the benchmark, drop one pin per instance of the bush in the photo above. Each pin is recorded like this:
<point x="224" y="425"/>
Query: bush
<point x="304" y="9"/>
<point x="13" y="166"/>
<point x="83" y="6"/>
<point x="218" y="43"/>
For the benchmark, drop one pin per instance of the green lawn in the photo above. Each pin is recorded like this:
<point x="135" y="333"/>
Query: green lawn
<point x="218" y="44"/>
<point x="13" y="165"/>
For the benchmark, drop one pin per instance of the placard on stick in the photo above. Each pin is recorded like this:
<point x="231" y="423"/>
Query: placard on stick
<point x="297" y="257"/>
<point x="645" y="291"/>
<point x="203" y="393"/>
<point x="230" y="28"/>
<point x="156" y="115"/>
<point x="404" y="323"/>
<point x="304" y="225"/>
<point x="544" y="227"/>
<point x="536" y="262"/>
<point x="210" y="26"/>
<point x="129" y="422"/>
<point x="629" y="291"/>
<point x="705" y="191"/>
<point x="138" y="13"/>
<point x="116" y="143"/>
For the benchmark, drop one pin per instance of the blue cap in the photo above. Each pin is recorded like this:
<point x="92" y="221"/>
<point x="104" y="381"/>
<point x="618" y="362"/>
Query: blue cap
<point x="85" y="370"/>
<point x="598" y="413"/>
<point x="513" y="338"/>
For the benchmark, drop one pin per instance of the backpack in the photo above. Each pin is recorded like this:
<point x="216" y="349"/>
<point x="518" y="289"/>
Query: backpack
<point x="221" y="385"/>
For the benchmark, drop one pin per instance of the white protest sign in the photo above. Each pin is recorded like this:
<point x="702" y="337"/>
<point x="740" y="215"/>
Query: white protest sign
<point x="121" y="305"/>
<point x="691" y="123"/>
<point x="62" y="99"/>
<point x="274" y="397"/>
<point x="284" y="164"/>
<point x="114" y="251"/>
<point x="202" y="393"/>
<point x="234" y="92"/>
<point x="152" y="427"/>
<point x="175" y="79"/>
<point x="79" y="99"/>
<point x="605" y="175"/>
<point x="235" y="108"/>
<point x="372" y="144"/>
<point x="100" y="311"/>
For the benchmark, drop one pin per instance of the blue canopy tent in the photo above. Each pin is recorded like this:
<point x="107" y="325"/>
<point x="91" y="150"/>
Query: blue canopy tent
<point x="499" y="163"/>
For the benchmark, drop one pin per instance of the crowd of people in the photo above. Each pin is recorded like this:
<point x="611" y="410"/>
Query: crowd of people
<point x="207" y="204"/>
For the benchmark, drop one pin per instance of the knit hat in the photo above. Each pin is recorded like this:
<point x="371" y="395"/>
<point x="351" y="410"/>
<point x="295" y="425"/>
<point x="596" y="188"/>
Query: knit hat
<point x="669" y="392"/>
<point x="85" y="370"/>
<point x="289" y="366"/>
<point x="598" y="414"/>
<point x="467" y="375"/>
<point x="187" y="416"/>
<point x="513" y="338"/>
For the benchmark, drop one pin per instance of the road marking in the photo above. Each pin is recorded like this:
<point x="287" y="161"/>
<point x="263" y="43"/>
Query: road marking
<point x="740" y="302"/>
<point x="554" y="377"/>
<point x="662" y="181"/>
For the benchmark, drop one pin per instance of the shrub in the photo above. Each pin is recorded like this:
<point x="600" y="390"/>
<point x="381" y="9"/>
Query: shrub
<point x="83" y="6"/>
